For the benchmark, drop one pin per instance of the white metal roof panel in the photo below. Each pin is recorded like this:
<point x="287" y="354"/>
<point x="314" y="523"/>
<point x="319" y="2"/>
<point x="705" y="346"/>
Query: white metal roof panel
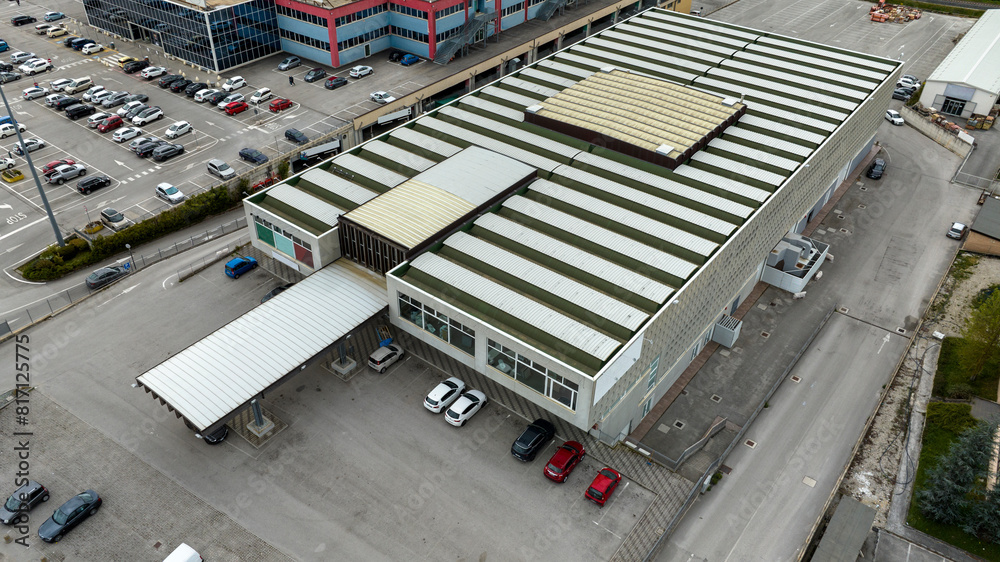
<point x="338" y="186"/>
<point x="787" y="89"/>
<point x="737" y="167"/>
<point x="369" y="169"/>
<point x="411" y="213"/>
<point x="699" y="23"/>
<point x="550" y="281"/>
<point x="531" y="312"/>
<point x="725" y="183"/>
<point x="433" y="144"/>
<point x="560" y="82"/>
<point x="974" y="60"/>
<point x="476" y="174"/>
<point x="493" y="107"/>
<point x="534" y="87"/>
<point x="781" y="128"/>
<point x="780" y="102"/>
<point x="398" y="155"/>
<point x="644" y="224"/>
<point x="520" y="99"/>
<point x="809" y="83"/>
<point x="625" y="62"/>
<point x="660" y="182"/>
<point x="536" y="160"/>
<point x="267" y="343"/>
<point x="597" y="266"/>
<point x="780" y="56"/>
<point x="766" y="140"/>
<point x="859" y="81"/>
<point x="697" y="46"/>
<point x="511" y="131"/>
<point x="820" y="52"/>
<point x="613" y="241"/>
<point x="307" y="203"/>
<point x="638" y="46"/>
<point x="565" y="68"/>
<point x="754" y="154"/>
<point x="670" y="208"/>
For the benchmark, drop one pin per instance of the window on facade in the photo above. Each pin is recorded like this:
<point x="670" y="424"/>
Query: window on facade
<point x="449" y="11"/>
<point x="446" y="35"/>
<point x="344" y="20"/>
<point x="363" y="38"/>
<point x="562" y="390"/>
<point x="531" y="374"/>
<point x="408" y="34"/>
<point x="528" y="375"/>
<point x="407" y="11"/>
<point x="411" y="310"/>
<point x="651" y="373"/>
<point x="301" y="16"/>
<point x="305" y="40"/>
<point x="501" y="358"/>
<point x="434" y="322"/>
<point x="512" y="9"/>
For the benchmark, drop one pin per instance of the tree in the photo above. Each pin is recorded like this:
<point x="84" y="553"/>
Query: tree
<point x="957" y="481"/>
<point x="981" y="337"/>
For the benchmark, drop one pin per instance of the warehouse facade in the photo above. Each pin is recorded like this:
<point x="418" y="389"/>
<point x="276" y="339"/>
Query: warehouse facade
<point x="967" y="81"/>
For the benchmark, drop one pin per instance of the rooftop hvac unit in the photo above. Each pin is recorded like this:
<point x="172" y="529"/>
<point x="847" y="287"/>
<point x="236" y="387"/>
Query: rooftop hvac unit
<point x="727" y="331"/>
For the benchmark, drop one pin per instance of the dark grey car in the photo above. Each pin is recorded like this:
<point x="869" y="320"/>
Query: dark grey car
<point x="22" y="501"/>
<point x="69" y="515"/>
<point x="105" y="275"/>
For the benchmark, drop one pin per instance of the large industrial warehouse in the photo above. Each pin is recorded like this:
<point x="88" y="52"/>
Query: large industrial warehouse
<point x="576" y="231"/>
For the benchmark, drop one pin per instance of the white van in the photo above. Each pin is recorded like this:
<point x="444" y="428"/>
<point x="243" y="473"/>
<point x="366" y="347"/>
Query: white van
<point x="260" y="95"/>
<point x="78" y="85"/>
<point x="184" y="553"/>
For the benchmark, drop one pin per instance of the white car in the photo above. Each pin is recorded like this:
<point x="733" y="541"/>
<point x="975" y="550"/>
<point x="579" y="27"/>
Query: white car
<point x="148" y="115"/>
<point x="169" y="193"/>
<point x="92" y="48"/>
<point x="234" y="83"/>
<point x="124" y="109"/>
<point x="382" y="97"/>
<point x="7" y="163"/>
<point x="359" y="71"/>
<point x="51" y="99"/>
<point x="96" y="119"/>
<point x="203" y="95"/>
<point x="60" y="84"/>
<point x="43" y="28"/>
<point x="957" y="231"/>
<point x="32" y="93"/>
<point x="33" y="67"/>
<point x="465" y="407"/>
<point x="21" y="56"/>
<point x="127" y="133"/>
<point x="442" y="395"/>
<point x="153" y="72"/>
<point x="99" y="97"/>
<point x="260" y="95"/>
<point x="893" y="116"/>
<point x="177" y="129"/>
<point x="228" y="100"/>
<point x="89" y="94"/>
<point x="383" y="357"/>
<point x="7" y="129"/>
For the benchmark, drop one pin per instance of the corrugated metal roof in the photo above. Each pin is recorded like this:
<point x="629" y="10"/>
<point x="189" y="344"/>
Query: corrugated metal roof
<point x="476" y="174"/>
<point x="680" y="20"/>
<point x="738" y="168"/>
<point x="613" y="241"/>
<point x="369" y="170"/>
<point x="533" y="313"/>
<point x="974" y="60"/>
<point x="536" y="160"/>
<point x="827" y="78"/>
<point x="559" y="82"/>
<point x="307" y="203"/>
<point x="511" y="132"/>
<point x="645" y="48"/>
<point x="683" y="213"/>
<point x="808" y="83"/>
<point x="781" y="128"/>
<point x="597" y="266"/>
<point x="766" y="140"/>
<point x="669" y="39"/>
<point x="338" y="186"/>
<point x="753" y="153"/>
<point x="411" y="213"/>
<point x="550" y="281"/>
<point x="520" y="99"/>
<point x="778" y="55"/>
<point x="550" y="64"/>
<point x="633" y="64"/>
<point x="493" y="107"/>
<point x="210" y="379"/>
<point x="416" y="138"/>
<point x="820" y="53"/>
<point x="646" y="225"/>
<point x="396" y="154"/>
<point x="727" y="184"/>
<point x="544" y="91"/>
<point x="787" y="89"/>
<point x="768" y="109"/>
<point x="673" y="187"/>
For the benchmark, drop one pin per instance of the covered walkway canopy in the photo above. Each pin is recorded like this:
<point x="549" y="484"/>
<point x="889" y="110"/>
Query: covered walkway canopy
<point x="210" y="380"/>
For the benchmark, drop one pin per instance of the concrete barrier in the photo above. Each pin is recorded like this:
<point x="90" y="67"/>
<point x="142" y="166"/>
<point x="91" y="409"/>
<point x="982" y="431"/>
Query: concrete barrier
<point x="952" y="142"/>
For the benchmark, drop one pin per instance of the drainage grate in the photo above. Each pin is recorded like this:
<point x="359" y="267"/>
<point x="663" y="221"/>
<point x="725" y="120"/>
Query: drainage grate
<point x="845" y="231"/>
<point x="841" y="217"/>
<point x="765" y="335"/>
<point x="843" y="310"/>
<point x="862" y="206"/>
<point x="751" y="444"/>
<point x="774" y="303"/>
<point x="863" y="188"/>
<point x="901" y="331"/>
<point x="716" y="398"/>
<point x="796" y="379"/>
<point x="684" y="392"/>
<point x="679" y="424"/>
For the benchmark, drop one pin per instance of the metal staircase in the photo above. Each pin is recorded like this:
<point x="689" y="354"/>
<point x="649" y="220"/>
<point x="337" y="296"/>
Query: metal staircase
<point x="448" y="49"/>
<point x="548" y="9"/>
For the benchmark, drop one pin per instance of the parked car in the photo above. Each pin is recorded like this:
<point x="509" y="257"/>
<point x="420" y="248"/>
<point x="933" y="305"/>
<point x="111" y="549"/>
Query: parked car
<point x="876" y="169"/>
<point x="296" y="136"/>
<point x="315" y="74"/>
<point x="115" y="99"/>
<point x="957" y="231"/>
<point x="214" y="438"/>
<point x="18" y="21"/>
<point x="58" y="85"/>
<point x="6" y="77"/>
<point x="167" y="151"/>
<point x="23" y="500"/>
<point x="234" y="83"/>
<point x="238" y="266"/>
<point x="134" y="112"/>
<point x="230" y="98"/>
<point x="289" y="63"/>
<point x="275" y="292"/>
<point x="165" y="81"/>
<point x="140" y="141"/>
<point x="193" y="88"/>
<point x="65" y="102"/>
<point x="383" y="357"/>
<point x="53" y="16"/>
<point x="30" y="145"/>
<point x="153" y="72"/>
<point x="92" y="48"/>
<point x="79" y="44"/>
<point x="62" y="174"/>
<point x="178" y="85"/>
<point x="901" y="94"/>
<point x="134" y="66"/>
<point x="260" y="95"/>
<point x="69" y="515"/>
<point x="334" y="82"/>
<point x="407" y="60"/>
<point x="470" y="402"/>
<point x="33" y="67"/>
<point x="128" y="106"/>
<point x="104" y="276"/>
<point x="93" y="91"/>
<point x="219" y="168"/>
<point x="79" y="110"/>
<point x="56" y="31"/>
<point x="122" y="60"/>
<point x="7" y="163"/>
<point x="169" y="193"/>
<point x="137" y="97"/>
<point x="146" y="149"/>
<point x="96" y="119"/>
<point x="236" y="107"/>
<point x="111" y="123"/>
<point x="93" y="183"/>
<point x="382" y="97"/>
<point x="893" y="116"/>
<point x="148" y="115"/>
<point x="361" y="71"/>
<point x="532" y="439"/>
<point x="43" y="28"/>
<point x="203" y="95"/>
<point x="603" y="486"/>
<point x="8" y="129"/>
<point x="215" y="98"/>
<point x="565" y="459"/>
<point x="51" y="166"/>
<point x="252" y="155"/>
<point x="34" y="92"/>
<point x="442" y="395"/>
<point x="177" y="129"/>
<point x="280" y="104"/>
<point x="114" y="220"/>
<point x="395" y="55"/>
<point x="17" y="57"/>
<point x="128" y="133"/>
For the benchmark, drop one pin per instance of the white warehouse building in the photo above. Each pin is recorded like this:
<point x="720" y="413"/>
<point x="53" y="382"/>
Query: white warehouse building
<point x="967" y="81"/>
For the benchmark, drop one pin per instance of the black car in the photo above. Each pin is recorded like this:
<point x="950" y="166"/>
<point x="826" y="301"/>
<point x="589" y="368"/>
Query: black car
<point x="396" y="55"/>
<point x="165" y="81"/>
<point x="20" y="502"/>
<point x="81" y="43"/>
<point x="135" y="66"/>
<point x="22" y="20"/>
<point x="135" y="111"/>
<point x="876" y="170"/>
<point x="167" y="151"/>
<point x="315" y="74"/>
<point x="252" y="155"/>
<point x="193" y="88"/>
<point x="105" y="275"/>
<point x="6" y="67"/>
<point x="216" y="97"/>
<point x="178" y="85"/>
<point x="137" y="97"/>
<point x="275" y="292"/>
<point x="93" y="183"/>
<point x="146" y="149"/>
<point x="296" y="136"/>
<point x="9" y="77"/>
<point x="69" y="515"/>
<point x="217" y="436"/>
<point x="334" y="82"/>
<point x="901" y="94"/>
<point x="62" y="103"/>
<point x="77" y="43"/>
<point x="67" y="41"/>
<point x="535" y="437"/>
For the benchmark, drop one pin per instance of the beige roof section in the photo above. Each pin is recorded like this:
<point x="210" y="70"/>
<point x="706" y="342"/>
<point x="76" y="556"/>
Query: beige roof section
<point x="411" y="212"/>
<point x="643" y="111"/>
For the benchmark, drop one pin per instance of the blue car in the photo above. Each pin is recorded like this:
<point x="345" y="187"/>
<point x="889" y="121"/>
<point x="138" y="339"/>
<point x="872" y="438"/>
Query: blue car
<point x="407" y="60"/>
<point x="4" y="46"/>
<point x="238" y="266"/>
<point x="53" y="16"/>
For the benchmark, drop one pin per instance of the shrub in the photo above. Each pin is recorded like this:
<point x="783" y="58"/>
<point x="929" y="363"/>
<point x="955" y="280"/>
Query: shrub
<point x="283" y="170"/>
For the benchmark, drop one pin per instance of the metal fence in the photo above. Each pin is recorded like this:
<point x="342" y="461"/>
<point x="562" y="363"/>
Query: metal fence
<point x="986" y="184"/>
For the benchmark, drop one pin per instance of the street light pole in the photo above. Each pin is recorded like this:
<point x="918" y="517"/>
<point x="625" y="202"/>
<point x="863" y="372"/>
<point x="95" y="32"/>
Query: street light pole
<point x="131" y="257"/>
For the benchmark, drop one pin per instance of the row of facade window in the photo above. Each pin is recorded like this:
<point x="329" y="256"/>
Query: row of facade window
<point x="362" y="39"/>
<point x="446" y="35"/>
<point x="444" y="328"/>
<point x="268" y="224"/>
<point x="534" y="2"/>
<point x="449" y="11"/>
<point x="305" y="40"/>
<point x="301" y="16"/>
<point x="408" y="34"/>
<point x="346" y="19"/>
<point x="512" y="9"/>
<point x="532" y="375"/>
<point x="407" y="11"/>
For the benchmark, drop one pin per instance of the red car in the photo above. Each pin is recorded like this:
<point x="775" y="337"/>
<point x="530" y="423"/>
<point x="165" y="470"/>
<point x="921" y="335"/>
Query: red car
<point x="567" y="456"/>
<point x="51" y="166"/>
<point x="279" y="104"/>
<point x="110" y="124"/>
<point x="603" y="486"/>
<point x="235" y="107"/>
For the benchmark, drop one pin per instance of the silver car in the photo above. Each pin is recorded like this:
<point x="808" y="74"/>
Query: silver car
<point x="66" y="172"/>
<point x="115" y="99"/>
